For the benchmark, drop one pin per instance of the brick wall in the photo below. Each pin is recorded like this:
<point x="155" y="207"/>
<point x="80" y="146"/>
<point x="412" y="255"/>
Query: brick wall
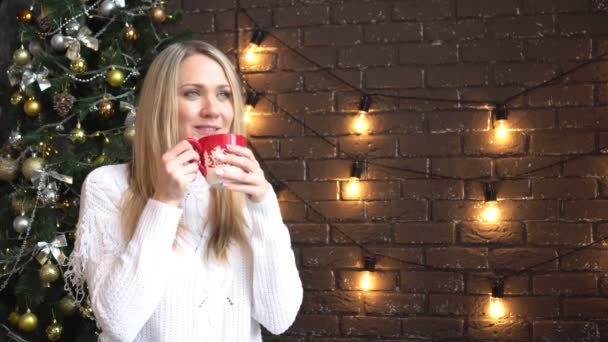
<point x="485" y="50"/>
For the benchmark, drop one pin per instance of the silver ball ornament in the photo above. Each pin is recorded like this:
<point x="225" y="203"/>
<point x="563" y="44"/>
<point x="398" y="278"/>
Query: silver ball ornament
<point x="106" y="7"/>
<point x="72" y="28"/>
<point x="15" y="138"/>
<point x="35" y="47"/>
<point x="49" y="196"/>
<point x="58" y="42"/>
<point x="20" y="224"/>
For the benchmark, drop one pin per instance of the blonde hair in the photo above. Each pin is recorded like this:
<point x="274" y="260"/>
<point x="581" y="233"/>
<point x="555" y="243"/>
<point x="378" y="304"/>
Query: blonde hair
<point x="157" y="130"/>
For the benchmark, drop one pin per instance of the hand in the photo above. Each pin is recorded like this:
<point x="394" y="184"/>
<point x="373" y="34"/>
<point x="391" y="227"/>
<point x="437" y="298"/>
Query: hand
<point x="247" y="177"/>
<point x="176" y="172"/>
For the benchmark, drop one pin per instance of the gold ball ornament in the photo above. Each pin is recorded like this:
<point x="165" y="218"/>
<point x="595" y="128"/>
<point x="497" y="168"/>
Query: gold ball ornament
<point x="25" y="16"/>
<point x="16" y="98"/>
<point x="54" y="331"/>
<point x="13" y="318"/>
<point x="28" y="322"/>
<point x="129" y="134"/>
<point x="67" y="305"/>
<point x="78" y="135"/>
<point x="31" y="166"/>
<point x="32" y="107"/>
<point x="8" y="168"/>
<point x="22" y="204"/>
<point x="87" y="311"/>
<point x="115" y="77"/>
<point x="101" y="159"/>
<point x="131" y="33"/>
<point x="21" y="56"/>
<point x="49" y="273"/>
<point x="158" y="14"/>
<point x="106" y="108"/>
<point x="79" y="65"/>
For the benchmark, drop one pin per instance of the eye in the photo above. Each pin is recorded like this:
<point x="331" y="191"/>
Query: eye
<point x="224" y="94"/>
<point x="191" y="93"/>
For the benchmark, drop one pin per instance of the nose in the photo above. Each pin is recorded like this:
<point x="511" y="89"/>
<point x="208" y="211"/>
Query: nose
<point x="209" y="106"/>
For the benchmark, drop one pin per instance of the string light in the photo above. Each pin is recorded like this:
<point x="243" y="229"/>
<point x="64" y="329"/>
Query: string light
<point x="369" y="264"/>
<point x="490" y="212"/>
<point x="497" y="308"/>
<point x="361" y="125"/>
<point x="254" y="44"/>
<point x="353" y="188"/>
<point x="250" y="103"/>
<point x="500" y="114"/>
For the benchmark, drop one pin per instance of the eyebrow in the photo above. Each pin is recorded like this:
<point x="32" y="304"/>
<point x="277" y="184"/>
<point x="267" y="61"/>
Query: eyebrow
<point x="202" y="86"/>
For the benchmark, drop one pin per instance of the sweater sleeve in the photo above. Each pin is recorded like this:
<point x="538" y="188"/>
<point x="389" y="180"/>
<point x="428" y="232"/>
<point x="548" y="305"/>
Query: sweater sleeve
<point x="125" y="283"/>
<point x="277" y="289"/>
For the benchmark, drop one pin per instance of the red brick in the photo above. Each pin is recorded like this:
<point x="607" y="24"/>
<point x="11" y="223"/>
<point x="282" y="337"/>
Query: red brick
<point x="331" y="257"/>
<point x="349" y="102"/>
<point x="589" y="210"/>
<point x="516" y="167"/>
<point x="455" y="121"/>
<point x="292" y="211"/>
<point x="287" y="170"/>
<point x="522" y="27"/>
<point x="379" y="281"/>
<point x="591" y="73"/>
<point x="336" y="211"/>
<point x="493" y="94"/>
<point x="457" y="257"/>
<point x="331" y="302"/>
<point x="426" y="281"/>
<point x="392" y="32"/>
<point x="519" y="258"/>
<point x="328" y="169"/>
<point x="305" y="102"/>
<point x="505" y="233"/>
<point x="315" y="324"/>
<point x="224" y="21"/>
<point x="393" y="304"/>
<point x="309" y="233"/>
<point x="313" y="191"/>
<point x="266" y="148"/>
<point x="405" y="210"/>
<point x="461" y="167"/>
<point x="585" y="188"/>
<point x="307" y="148"/>
<point x="444" y="210"/>
<point x="484" y="143"/>
<point x="396" y="123"/>
<point x="488" y="8"/>
<point x="272" y="125"/>
<point x="587" y="166"/>
<point x="433" y="189"/>
<point x="370" y="146"/>
<point x="398" y="168"/>
<point x="433" y="327"/>
<point x="276" y="82"/>
<point x="364" y="325"/>
<point x="456" y="75"/>
<point x="559" y="96"/>
<point x="393" y="77"/>
<point x="508" y="329"/>
<point x="528" y="74"/>
<point x="585" y="24"/>
<point x="301" y="16"/>
<point x="428" y="53"/>
<point x="429" y="145"/>
<point x="422" y="10"/>
<point x="371" y="190"/>
<point x="595" y="308"/>
<point x="222" y="40"/>
<point x="585" y="260"/>
<point x="397" y="258"/>
<point x="362" y="233"/>
<point x="359" y="13"/>
<point x="264" y="61"/>
<point x="531" y="119"/>
<point x="422" y="99"/>
<point x="595" y="118"/>
<point x="366" y="56"/>
<point x="458" y="305"/>
<point x="313" y="279"/>
<point x="532" y="307"/>
<point x="565" y="284"/>
<point x="197" y="22"/>
<point x="337" y="339"/>
<point x="423" y="233"/>
<point x="461" y="30"/>
<point x="493" y="50"/>
<point x="333" y="35"/>
<point x="324" y="56"/>
<point x="554" y="6"/>
<point x="505" y="189"/>
<point x="264" y="3"/>
<point x="561" y="142"/>
<point x="565" y="331"/>
<point x="321" y="80"/>
<point x="481" y="283"/>
<point x="557" y="49"/>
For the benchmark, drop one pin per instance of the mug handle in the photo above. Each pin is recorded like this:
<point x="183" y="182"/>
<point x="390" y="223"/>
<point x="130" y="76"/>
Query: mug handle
<point x="197" y="146"/>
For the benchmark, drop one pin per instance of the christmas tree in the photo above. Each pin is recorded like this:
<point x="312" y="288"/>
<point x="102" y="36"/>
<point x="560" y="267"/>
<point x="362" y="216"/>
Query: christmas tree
<point x="73" y="88"/>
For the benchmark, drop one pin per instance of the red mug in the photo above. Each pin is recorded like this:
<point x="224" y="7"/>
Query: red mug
<point x="209" y="148"/>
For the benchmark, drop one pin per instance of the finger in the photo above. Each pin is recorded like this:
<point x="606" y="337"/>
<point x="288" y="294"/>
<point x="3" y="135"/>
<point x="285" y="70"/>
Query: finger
<point x="241" y="162"/>
<point x="238" y="176"/>
<point x="187" y="157"/>
<point x="241" y="151"/>
<point x="178" y="149"/>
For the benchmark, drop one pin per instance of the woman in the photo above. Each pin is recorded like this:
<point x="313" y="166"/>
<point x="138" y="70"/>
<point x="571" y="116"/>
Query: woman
<point x="165" y="257"/>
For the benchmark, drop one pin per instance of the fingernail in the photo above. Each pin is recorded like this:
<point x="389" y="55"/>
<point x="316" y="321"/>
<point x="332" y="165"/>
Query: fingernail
<point x="230" y="146"/>
<point x="221" y="156"/>
<point x="219" y="172"/>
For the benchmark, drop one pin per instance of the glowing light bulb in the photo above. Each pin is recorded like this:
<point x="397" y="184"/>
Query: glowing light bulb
<point x="501" y="131"/>
<point x="490" y="213"/>
<point x="248" y="109"/>
<point x="497" y="308"/>
<point x="361" y="126"/>
<point x="353" y="188"/>
<point x="366" y="281"/>
<point x="250" y="54"/>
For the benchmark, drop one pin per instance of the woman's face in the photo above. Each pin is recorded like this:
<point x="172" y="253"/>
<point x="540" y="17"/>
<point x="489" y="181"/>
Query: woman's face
<point x="204" y="98"/>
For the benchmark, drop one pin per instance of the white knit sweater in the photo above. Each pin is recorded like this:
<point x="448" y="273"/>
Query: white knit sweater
<point x="160" y="287"/>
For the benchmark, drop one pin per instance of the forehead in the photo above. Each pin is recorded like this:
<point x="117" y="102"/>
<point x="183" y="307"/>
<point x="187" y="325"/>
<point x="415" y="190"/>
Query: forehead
<point x="201" y="69"/>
